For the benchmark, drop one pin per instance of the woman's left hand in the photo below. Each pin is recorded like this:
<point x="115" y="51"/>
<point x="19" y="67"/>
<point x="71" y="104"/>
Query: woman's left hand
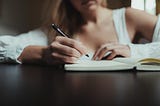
<point x="115" y="49"/>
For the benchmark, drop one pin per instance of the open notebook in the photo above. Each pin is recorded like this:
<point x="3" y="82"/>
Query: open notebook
<point x="86" y="64"/>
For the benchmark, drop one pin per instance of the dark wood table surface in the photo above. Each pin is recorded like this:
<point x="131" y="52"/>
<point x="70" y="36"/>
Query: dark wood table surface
<point x="33" y="85"/>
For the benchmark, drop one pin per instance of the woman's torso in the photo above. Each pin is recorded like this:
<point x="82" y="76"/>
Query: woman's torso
<point x="114" y="29"/>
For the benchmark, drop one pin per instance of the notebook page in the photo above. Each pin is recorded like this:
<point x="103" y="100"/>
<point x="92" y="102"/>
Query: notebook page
<point x="86" y="64"/>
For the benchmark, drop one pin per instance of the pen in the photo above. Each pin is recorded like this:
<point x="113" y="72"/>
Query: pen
<point x="55" y="27"/>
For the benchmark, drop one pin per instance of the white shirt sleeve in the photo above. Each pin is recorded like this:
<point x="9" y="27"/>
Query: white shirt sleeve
<point x="12" y="46"/>
<point x="149" y="49"/>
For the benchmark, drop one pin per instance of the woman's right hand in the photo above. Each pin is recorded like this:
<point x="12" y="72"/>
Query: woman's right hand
<point x="64" y="50"/>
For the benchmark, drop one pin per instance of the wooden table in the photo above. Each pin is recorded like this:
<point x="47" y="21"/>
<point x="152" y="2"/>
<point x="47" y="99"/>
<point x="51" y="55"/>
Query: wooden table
<point x="46" y="85"/>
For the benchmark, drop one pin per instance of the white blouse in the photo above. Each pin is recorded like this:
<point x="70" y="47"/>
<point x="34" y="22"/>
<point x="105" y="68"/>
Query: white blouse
<point x="12" y="46"/>
<point x="148" y="50"/>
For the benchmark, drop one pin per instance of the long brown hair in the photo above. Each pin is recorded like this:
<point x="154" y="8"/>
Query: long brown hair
<point x="63" y="14"/>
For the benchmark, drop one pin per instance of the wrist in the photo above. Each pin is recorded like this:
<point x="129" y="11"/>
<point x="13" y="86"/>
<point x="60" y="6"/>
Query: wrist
<point x="46" y="55"/>
<point x="32" y="54"/>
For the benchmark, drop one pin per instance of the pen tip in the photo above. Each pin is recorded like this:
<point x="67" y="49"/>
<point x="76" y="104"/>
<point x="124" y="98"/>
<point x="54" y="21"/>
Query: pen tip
<point x="87" y="55"/>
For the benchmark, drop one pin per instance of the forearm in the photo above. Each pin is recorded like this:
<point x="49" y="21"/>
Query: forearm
<point x="33" y="54"/>
<point x="150" y="49"/>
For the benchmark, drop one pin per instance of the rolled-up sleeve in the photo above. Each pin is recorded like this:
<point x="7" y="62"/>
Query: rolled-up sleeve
<point x="11" y="47"/>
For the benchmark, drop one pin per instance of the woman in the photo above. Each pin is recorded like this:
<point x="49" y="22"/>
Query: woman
<point x="92" y="28"/>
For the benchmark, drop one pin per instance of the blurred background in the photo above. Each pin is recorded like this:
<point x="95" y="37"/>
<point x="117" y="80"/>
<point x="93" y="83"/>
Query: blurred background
<point x="18" y="16"/>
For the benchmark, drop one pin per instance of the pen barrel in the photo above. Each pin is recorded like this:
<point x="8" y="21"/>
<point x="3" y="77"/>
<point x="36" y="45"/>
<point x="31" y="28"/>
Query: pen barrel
<point x="59" y="30"/>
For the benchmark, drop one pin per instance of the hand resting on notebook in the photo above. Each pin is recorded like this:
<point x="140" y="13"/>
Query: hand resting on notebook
<point x="109" y="51"/>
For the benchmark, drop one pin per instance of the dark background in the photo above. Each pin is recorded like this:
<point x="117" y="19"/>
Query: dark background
<point x="18" y="16"/>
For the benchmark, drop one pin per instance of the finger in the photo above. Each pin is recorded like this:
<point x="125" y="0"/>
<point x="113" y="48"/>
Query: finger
<point x="64" y="58"/>
<point x="95" y="54"/>
<point x="101" y="54"/>
<point x="105" y="50"/>
<point x="112" y="56"/>
<point x="66" y="50"/>
<point x="72" y="43"/>
<point x="117" y="51"/>
<point x="104" y="57"/>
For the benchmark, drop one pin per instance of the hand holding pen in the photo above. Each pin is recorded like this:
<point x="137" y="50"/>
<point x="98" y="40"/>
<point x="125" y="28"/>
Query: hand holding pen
<point x="65" y="49"/>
